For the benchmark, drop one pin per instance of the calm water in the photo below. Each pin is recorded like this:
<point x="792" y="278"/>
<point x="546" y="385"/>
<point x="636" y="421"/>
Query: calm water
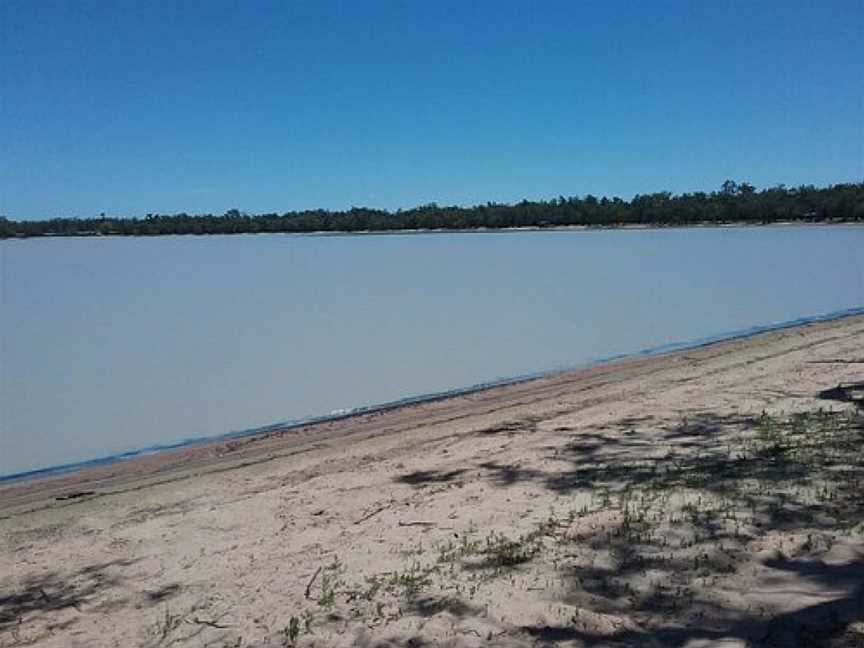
<point x="112" y="344"/>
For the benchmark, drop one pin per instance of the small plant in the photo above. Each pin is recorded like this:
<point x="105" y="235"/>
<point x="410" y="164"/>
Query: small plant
<point x="167" y="623"/>
<point x="296" y="627"/>
<point x="501" y="551"/>
<point x="291" y="632"/>
<point x="411" y="581"/>
<point x="331" y="582"/>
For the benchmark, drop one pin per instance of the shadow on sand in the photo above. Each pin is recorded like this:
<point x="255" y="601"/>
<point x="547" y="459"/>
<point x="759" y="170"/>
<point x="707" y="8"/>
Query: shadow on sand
<point x="801" y="475"/>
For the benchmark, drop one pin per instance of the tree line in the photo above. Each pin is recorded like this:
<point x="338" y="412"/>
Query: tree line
<point x="733" y="203"/>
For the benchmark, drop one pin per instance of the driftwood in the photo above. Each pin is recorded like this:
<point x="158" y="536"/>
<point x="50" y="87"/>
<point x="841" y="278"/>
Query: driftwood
<point x="75" y="495"/>
<point x="212" y="624"/>
<point x="416" y="523"/>
<point x="371" y="514"/>
<point x="311" y="582"/>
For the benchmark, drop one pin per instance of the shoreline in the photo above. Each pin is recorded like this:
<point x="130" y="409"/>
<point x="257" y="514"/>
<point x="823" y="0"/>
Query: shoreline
<point x="475" y="230"/>
<point x="707" y="494"/>
<point x="281" y="427"/>
<point x="170" y="462"/>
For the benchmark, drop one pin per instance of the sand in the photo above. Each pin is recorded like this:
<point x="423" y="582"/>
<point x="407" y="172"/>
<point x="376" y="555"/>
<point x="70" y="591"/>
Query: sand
<point x="695" y="499"/>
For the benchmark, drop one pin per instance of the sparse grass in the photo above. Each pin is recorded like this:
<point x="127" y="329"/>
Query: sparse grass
<point x="411" y="581"/>
<point x="297" y="626"/>
<point x="684" y="518"/>
<point x="331" y="583"/>
<point x="501" y="551"/>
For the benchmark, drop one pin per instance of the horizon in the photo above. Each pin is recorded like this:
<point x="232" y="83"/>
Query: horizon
<point x="135" y="108"/>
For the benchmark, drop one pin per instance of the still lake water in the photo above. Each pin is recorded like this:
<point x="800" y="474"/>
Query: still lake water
<point x="111" y="344"/>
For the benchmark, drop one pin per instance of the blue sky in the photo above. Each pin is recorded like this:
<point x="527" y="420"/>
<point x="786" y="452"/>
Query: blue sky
<point x="135" y="107"/>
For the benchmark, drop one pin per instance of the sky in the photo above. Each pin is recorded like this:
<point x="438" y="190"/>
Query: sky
<point x="127" y="108"/>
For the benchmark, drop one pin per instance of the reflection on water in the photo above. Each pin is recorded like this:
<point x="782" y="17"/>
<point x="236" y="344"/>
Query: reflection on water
<point x="112" y="344"/>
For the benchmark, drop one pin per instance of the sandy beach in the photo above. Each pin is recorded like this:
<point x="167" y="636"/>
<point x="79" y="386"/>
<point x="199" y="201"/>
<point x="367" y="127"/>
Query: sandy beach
<point x="705" y="497"/>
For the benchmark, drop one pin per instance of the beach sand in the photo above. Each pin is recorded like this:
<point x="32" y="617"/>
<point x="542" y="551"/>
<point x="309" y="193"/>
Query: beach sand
<point x="692" y="499"/>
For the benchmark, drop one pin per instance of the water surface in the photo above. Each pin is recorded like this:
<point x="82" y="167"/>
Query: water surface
<point x="110" y="344"/>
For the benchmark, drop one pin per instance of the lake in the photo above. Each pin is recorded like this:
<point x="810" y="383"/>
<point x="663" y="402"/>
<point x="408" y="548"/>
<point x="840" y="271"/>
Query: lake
<point x="113" y="344"/>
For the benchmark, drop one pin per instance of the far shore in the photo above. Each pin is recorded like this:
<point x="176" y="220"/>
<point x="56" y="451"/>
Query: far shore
<point x="480" y="230"/>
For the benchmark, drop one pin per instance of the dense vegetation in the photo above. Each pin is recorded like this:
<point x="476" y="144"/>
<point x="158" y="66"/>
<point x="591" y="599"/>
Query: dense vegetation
<point x="732" y="203"/>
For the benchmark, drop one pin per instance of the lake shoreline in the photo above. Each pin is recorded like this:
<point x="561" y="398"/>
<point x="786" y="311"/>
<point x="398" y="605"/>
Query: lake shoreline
<point x="714" y="480"/>
<point x="191" y="457"/>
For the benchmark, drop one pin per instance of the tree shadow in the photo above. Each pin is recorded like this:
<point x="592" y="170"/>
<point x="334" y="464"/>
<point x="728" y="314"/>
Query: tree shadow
<point x="508" y="427"/>
<point x="420" y="478"/>
<point x="819" y="624"/>
<point x="702" y="456"/>
<point x="52" y="592"/>
<point x="845" y="393"/>
<point x="801" y="475"/>
<point x="45" y="595"/>
<point x="162" y="594"/>
<point x="427" y="606"/>
<point x="813" y="626"/>
<point x="509" y="474"/>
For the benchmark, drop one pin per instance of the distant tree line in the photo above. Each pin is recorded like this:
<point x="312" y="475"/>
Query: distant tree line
<point x="732" y="203"/>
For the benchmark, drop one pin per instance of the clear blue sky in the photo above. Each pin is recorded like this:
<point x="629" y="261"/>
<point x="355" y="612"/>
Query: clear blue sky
<point x="135" y="107"/>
